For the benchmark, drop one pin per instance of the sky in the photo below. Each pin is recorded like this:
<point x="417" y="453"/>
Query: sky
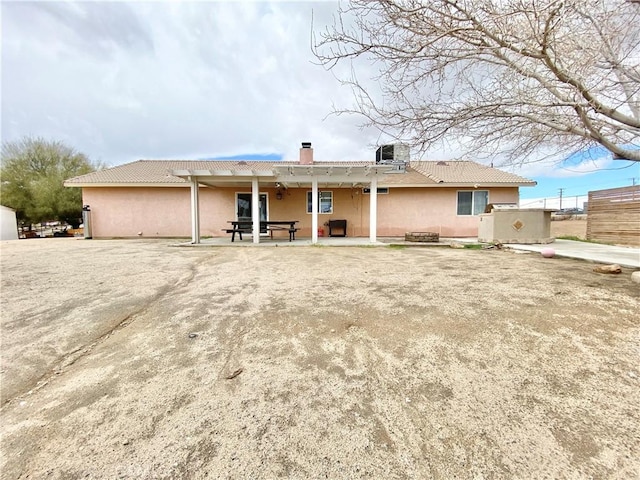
<point x="122" y="81"/>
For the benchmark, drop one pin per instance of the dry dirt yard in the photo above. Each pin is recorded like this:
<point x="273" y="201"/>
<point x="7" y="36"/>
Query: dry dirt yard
<point x="134" y="359"/>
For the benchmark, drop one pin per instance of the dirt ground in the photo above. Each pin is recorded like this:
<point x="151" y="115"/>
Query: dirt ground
<point x="135" y="359"/>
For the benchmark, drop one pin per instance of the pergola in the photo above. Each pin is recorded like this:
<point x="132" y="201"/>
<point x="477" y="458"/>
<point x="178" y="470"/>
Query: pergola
<point x="298" y="175"/>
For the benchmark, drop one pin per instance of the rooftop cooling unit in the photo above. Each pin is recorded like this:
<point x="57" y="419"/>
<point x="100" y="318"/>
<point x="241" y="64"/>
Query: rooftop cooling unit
<point x="396" y="154"/>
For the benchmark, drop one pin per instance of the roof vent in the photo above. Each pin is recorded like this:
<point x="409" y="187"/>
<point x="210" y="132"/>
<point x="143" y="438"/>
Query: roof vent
<point x="242" y="162"/>
<point x="306" y="144"/>
<point x="442" y="163"/>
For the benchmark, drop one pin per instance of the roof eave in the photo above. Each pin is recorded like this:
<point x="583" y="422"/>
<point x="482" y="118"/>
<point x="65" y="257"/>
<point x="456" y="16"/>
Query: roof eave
<point x="122" y="184"/>
<point x="456" y="185"/>
<point x="486" y="185"/>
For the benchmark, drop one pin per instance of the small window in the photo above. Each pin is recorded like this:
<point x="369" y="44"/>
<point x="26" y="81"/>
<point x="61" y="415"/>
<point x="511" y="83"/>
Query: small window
<point x="472" y="202"/>
<point x="325" y="202"/>
<point x="380" y="190"/>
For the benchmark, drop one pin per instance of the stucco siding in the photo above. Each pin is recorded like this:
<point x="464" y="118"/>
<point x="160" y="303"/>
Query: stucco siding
<point x="126" y="212"/>
<point x="399" y="211"/>
<point x="429" y="210"/>
<point x="166" y="211"/>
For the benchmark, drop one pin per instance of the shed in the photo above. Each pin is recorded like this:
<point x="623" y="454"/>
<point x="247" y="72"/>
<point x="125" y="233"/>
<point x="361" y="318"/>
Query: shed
<point x="8" y="224"/>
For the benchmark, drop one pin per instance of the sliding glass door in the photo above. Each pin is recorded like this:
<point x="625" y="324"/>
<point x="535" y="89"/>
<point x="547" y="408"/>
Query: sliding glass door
<point x="243" y="206"/>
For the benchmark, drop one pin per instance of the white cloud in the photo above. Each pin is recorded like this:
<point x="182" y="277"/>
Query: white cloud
<point x="554" y="203"/>
<point x="550" y="165"/>
<point x="121" y="81"/>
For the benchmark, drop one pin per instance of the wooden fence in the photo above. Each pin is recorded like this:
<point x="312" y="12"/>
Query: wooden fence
<point x="613" y="216"/>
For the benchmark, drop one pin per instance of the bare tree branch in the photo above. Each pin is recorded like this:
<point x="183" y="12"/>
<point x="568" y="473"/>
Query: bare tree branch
<point x="510" y="76"/>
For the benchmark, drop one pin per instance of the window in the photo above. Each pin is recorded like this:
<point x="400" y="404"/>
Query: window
<point x="380" y="190"/>
<point x="472" y="202"/>
<point x="325" y="202"/>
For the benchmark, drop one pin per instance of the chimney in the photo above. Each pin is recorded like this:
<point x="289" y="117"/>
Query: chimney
<point x="306" y="154"/>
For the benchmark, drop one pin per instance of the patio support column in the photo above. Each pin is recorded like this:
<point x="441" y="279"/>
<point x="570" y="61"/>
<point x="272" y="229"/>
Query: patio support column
<point x="255" y="209"/>
<point x="373" y="209"/>
<point x="195" y="211"/>
<point x="314" y="210"/>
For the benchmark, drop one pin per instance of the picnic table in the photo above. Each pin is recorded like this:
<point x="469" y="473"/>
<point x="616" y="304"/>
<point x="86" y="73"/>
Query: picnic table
<point x="266" y="226"/>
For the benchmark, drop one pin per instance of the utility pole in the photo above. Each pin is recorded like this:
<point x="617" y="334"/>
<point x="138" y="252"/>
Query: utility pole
<point x="561" y="190"/>
<point x="633" y="181"/>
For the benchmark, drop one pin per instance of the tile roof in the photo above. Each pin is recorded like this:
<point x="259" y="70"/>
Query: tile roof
<point x="158" y="171"/>
<point x="420" y="173"/>
<point x="464" y="171"/>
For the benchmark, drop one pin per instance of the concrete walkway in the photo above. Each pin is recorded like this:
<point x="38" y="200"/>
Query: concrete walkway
<point x="594" y="252"/>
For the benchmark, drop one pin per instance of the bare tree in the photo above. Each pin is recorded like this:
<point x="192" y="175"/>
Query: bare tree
<point x="499" y="76"/>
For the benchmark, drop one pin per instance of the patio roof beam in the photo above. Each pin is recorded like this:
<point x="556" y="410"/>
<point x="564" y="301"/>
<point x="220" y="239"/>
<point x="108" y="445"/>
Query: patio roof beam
<point x="322" y="179"/>
<point x="329" y="173"/>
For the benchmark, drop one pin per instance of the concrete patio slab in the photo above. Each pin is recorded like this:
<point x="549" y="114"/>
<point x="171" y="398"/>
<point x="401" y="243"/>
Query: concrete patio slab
<point x="593" y="252"/>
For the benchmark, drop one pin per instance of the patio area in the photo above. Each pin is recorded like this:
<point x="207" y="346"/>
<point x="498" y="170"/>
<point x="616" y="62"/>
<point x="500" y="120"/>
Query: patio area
<point x="247" y="241"/>
<point x="591" y="252"/>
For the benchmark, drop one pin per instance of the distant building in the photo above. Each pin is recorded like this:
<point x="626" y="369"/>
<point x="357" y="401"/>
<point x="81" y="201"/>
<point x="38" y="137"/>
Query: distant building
<point x="8" y="224"/>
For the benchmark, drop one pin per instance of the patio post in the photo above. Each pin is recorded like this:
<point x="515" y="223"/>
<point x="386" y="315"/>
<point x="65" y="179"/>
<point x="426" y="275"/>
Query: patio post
<point x="195" y="211"/>
<point x="314" y="210"/>
<point x="373" y="209"/>
<point x="255" y="209"/>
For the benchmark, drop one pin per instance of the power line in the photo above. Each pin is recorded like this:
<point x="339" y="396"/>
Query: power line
<point x="561" y="190"/>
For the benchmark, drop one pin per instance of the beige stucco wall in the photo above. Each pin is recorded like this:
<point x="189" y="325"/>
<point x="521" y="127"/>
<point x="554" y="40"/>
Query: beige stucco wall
<point x="165" y="211"/>
<point x="124" y="212"/>
<point x="399" y="211"/>
<point x="516" y="226"/>
<point x="430" y="210"/>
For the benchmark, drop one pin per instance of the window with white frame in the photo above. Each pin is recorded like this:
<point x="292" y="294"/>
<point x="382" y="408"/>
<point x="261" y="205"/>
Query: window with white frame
<point x="379" y="190"/>
<point x="325" y="202"/>
<point x="472" y="202"/>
